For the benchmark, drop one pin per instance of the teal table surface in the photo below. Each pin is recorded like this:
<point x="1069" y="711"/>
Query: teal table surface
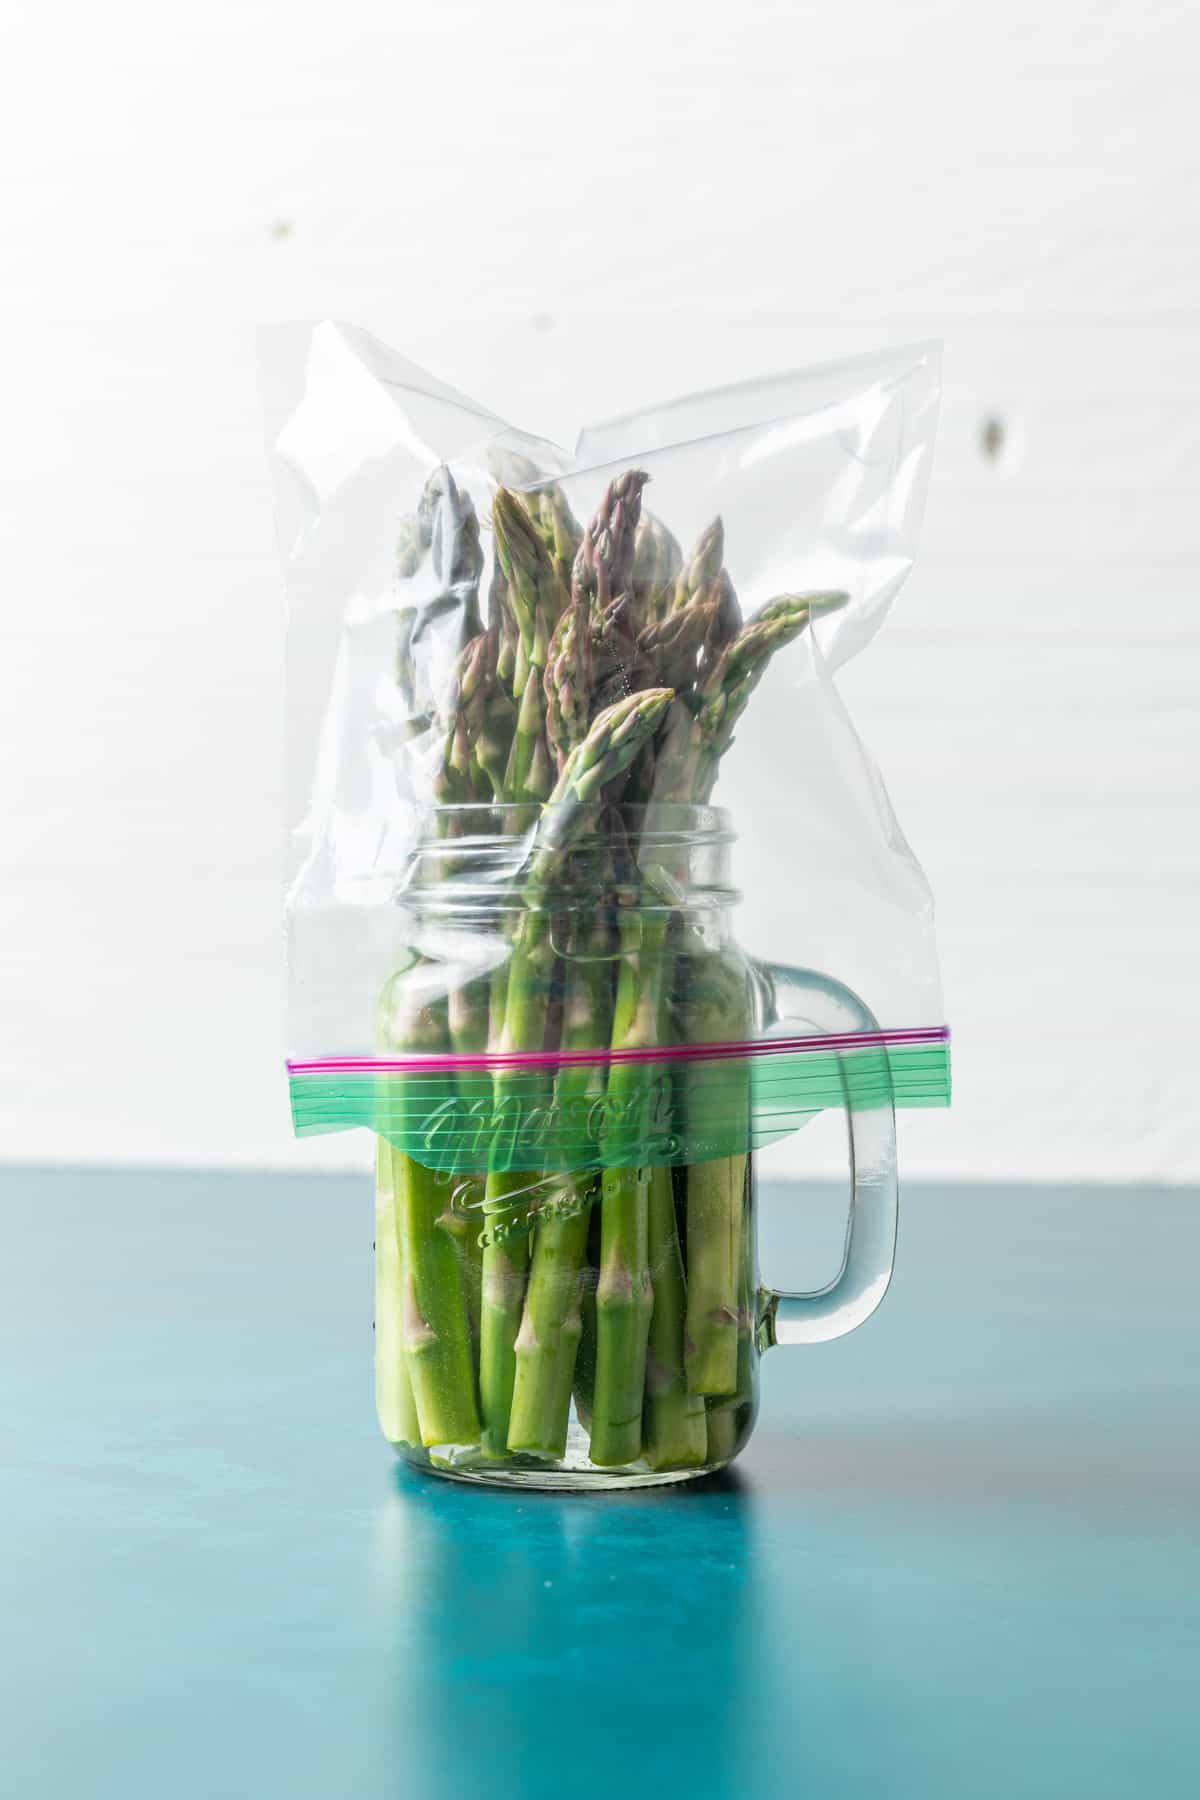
<point x="961" y="1556"/>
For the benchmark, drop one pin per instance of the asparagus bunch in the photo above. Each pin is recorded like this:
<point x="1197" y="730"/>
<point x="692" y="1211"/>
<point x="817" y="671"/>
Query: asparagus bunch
<point x="612" y="672"/>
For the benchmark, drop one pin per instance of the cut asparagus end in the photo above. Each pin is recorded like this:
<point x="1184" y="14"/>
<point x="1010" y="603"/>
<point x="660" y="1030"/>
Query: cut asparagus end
<point x="715" y="1196"/>
<point x="674" y="1429"/>
<point x="393" y="1390"/>
<point x="505" y="1268"/>
<point x="624" y="1303"/>
<point x="548" y="1340"/>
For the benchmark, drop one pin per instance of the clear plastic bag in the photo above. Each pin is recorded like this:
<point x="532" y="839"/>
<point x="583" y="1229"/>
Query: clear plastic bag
<point x="555" y="723"/>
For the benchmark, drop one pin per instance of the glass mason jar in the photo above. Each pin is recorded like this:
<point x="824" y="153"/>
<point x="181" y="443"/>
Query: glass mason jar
<point x="567" y="1287"/>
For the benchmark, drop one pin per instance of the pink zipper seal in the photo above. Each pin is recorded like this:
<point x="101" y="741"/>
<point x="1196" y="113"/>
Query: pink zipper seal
<point x="557" y="1059"/>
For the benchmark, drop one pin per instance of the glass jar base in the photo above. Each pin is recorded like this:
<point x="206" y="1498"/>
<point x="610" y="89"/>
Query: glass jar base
<point x="553" y="1480"/>
<point x="573" y="1471"/>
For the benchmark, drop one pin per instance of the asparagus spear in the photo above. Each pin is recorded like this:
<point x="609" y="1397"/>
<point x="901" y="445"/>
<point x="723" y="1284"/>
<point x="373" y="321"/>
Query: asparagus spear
<point x="427" y="1262"/>
<point x="686" y="768"/>
<point x="546" y="504"/>
<point x="436" y="1321"/>
<point x="624" y="1295"/>
<point x="434" y="1313"/>
<point x="502" y="626"/>
<point x="569" y="677"/>
<point x="657" y="560"/>
<point x="700" y="731"/>
<point x="524" y="599"/>
<point x="604" y="566"/>
<point x="624" y="1291"/>
<point x="533" y="592"/>
<point x="612" y="742"/>
<point x="730" y="1417"/>
<point x="674" y="1429"/>
<point x="463" y="779"/>
<point x="552" y="1324"/>
<point x="393" y="1390"/>
<point x="687" y="763"/>
<point x="715" y="1192"/>
<point x="725" y="691"/>
<point x="614" y="738"/>
<point x="703" y="565"/>
<point x="488" y="718"/>
<point x="558" y="525"/>
<point x="530" y="602"/>
<point x="728" y="620"/>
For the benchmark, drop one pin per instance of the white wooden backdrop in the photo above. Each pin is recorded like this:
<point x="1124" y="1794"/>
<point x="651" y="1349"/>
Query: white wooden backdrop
<point x="566" y="209"/>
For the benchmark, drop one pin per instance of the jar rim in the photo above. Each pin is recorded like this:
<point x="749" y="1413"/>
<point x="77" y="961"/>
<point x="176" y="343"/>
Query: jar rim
<point x="656" y="823"/>
<point x="471" y="854"/>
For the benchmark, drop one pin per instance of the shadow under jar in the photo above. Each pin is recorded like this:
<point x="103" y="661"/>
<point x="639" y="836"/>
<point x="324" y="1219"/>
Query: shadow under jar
<point x="567" y="1290"/>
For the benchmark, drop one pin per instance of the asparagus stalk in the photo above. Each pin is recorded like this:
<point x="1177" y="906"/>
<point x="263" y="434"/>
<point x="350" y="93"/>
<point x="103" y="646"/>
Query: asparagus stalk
<point x="393" y="1390"/>
<point x="603" y="567"/>
<point x="715" y="1192"/>
<point x="519" y="1022"/>
<point x="585" y="1357"/>
<point x="507" y="1192"/>
<point x="612" y="742"/>
<point x="624" y="1291"/>
<point x="477" y="718"/>
<point x="687" y="765"/>
<point x="624" y="1296"/>
<point x="467" y="1012"/>
<point x="532" y="599"/>
<point x="552" y="1324"/>
<point x="436" y="1324"/>
<point x="505" y="1266"/>
<point x="433" y="1314"/>
<point x="674" y="1428"/>
<point x="730" y="1417"/>
<point x="431" y="1287"/>
<point x="714" y="1006"/>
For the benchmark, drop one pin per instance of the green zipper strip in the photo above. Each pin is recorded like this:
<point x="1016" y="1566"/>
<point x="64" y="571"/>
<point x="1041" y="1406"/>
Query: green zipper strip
<point x="462" y="1121"/>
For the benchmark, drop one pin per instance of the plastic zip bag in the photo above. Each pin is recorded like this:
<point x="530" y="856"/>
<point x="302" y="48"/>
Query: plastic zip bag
<point x="593" y="889"/>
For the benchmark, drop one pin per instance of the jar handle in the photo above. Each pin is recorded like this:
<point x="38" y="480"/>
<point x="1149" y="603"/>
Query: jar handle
<point x="803" y="997"/>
